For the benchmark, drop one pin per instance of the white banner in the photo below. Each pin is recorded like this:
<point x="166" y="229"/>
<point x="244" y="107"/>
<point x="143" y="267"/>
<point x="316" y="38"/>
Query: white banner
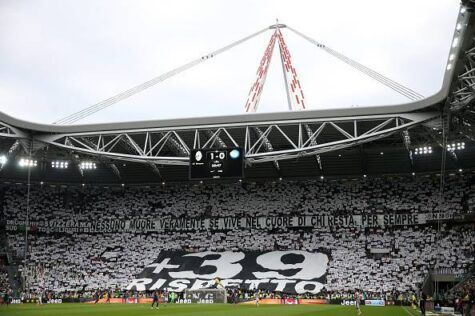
<point x="220" y="223"/>
<point x="290" y="271"/>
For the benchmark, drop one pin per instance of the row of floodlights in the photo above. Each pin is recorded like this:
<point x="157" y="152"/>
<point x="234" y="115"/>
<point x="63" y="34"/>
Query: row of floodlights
<point x="87" y="165"/>
<point x="423" y="150"/>
<point x="56" y="164"/>
<point x="456" y="146"/>
<point x="426" y="150"/>
<point x="27" y="162"/>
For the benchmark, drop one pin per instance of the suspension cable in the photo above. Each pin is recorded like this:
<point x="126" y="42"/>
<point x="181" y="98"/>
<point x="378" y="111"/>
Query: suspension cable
<point x="141" y="87"/>
<point x="399" y="88"/>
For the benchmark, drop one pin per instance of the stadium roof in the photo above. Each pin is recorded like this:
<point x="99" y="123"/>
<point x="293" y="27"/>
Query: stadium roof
<point x="383" y="142"/>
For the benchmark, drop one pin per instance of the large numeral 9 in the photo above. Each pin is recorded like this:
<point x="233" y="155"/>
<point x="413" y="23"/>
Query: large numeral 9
<point x="313" y="266"/>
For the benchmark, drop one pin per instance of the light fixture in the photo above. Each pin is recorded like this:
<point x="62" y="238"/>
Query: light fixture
<point x="364" y="176"/>
<point x="321" y="177"/>
<point x="280" y="179"/>
<point x="27" y="162"/>
<point x="455" y="43"/>
<point x="423" y="150"/>
<point x="59" y="164"/>
<point x="3" y="159"/>
<point x="456" y="146"/>
<point x="87" y="165"/>
<point x="413" y="173"/>
<point x="460" y="170"/>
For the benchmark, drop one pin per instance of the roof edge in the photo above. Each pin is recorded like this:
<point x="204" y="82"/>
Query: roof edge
<point x="419" y="105"/>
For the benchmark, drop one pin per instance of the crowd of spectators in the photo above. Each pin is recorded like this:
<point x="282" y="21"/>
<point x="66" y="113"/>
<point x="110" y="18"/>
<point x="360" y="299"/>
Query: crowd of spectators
<point x="4" y="282"/>
<point x="87" y="262"/>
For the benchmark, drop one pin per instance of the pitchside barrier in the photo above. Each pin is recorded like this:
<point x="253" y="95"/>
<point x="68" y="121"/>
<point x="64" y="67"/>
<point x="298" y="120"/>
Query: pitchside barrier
<point x="205" y="296"/>
<point x="278" y="301"/>
<point x="367" y="302"/>
<point x="291" y="301"/>
<point x="374" y="302"/>
<point x="118" y="300"/>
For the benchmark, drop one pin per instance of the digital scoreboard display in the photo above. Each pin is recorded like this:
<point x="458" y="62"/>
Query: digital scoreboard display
<point x="216" y="163"/>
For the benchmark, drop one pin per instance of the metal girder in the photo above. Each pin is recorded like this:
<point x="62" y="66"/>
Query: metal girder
<point x="277" y="140"/>
<point x="216" y="138"/>
<point x="14" y="149"/>
<point x="267" y="145"/>
<point x="75" y="159"/>
<point x="463" y="93"/>
<point x="309" y="132"/>
<point x="461" y="101"/>
<point x="10" y="131"/>
<point x="112" y="166"/>
<point x="406" y="138"/>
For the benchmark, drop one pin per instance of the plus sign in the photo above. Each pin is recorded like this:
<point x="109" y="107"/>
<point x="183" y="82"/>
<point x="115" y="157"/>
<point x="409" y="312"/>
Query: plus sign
<point x="162" y="265"/>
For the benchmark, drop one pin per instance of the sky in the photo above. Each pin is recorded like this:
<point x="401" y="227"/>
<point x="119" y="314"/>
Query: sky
<point x="60" y="56"/>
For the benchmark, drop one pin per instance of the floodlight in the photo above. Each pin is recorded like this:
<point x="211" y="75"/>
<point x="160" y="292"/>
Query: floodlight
<point x="87" y="165"/>
<point x="423" y="150"/>
<point x="27" y="162"/>
<point x="59" y="164"/>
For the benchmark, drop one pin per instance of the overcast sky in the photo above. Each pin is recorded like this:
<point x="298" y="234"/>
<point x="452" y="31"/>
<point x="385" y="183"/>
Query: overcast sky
<point x="60" y="56"/>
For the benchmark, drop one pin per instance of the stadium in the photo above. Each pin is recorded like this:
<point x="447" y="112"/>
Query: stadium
<point x="364" y="210"/>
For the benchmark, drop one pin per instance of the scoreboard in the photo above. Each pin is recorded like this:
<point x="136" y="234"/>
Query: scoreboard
<point x="216" y="163"/>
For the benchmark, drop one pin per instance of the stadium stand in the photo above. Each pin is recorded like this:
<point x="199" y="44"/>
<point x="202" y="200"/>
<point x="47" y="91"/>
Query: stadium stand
<point x="4" y="283"/>
<point x="86" y="262"/>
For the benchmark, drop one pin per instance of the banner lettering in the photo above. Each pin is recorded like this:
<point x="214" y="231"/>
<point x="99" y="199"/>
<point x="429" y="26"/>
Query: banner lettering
<point x="292" y="271"/>
<point x="219" y="223"/>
